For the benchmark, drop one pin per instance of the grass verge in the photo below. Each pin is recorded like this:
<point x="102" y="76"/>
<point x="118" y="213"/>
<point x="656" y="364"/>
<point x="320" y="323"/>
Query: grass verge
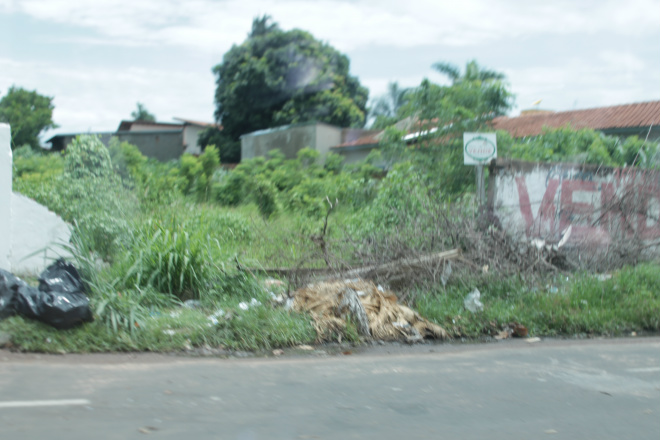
<point x="582" y="304"/>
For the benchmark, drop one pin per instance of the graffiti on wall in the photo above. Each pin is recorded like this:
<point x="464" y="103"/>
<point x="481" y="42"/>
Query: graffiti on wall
<point x="600" y="204"/>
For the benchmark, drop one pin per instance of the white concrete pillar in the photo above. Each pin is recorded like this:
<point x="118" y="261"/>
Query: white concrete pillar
<point x="5" y="196"/>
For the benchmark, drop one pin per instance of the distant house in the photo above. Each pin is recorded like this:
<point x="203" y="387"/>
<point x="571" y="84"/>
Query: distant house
<point x="160" y="140"/>
<point x="640" y="119"/>
<point x="290" y="139"/>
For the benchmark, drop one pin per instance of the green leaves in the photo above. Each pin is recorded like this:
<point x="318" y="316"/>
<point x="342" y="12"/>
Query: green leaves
<point x="28" y="113"/>
<point x="280" y="77"/>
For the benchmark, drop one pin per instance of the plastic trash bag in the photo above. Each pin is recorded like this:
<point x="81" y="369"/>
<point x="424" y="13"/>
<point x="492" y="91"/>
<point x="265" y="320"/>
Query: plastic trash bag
<point x="59" y="301"/>
<point x="472" y="301"/>
<point x="9" y="285"/>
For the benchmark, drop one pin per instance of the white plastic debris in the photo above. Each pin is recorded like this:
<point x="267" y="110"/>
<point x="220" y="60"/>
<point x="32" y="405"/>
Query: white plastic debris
<point x="169" y="332"/>
<point x="254" y="302"/>
<point x="472" y="301"/>
<point x="214" y="317"/>
<point x="537" y="243"/>
<point x="566" y="234"/>
<point x="192" y="304"/>
<point x="360" y="293"/>
<point x="243" y="306"/>
<point x="380" y="288"/>
<point x="446" y="273"/>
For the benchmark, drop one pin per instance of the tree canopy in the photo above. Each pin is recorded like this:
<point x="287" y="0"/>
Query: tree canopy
<point x="28" y="113"/>
<point x="278" y="77"/>
<point x="443" y="113"/>
<point x="142" y="114"/>
<point x="387" y="107"/>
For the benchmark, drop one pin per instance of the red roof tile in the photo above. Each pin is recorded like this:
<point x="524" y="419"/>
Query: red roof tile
<point x="643" y="114"/>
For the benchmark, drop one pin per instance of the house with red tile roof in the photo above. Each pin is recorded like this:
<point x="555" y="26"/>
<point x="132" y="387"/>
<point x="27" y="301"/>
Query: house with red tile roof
<point x="639" y="119"/>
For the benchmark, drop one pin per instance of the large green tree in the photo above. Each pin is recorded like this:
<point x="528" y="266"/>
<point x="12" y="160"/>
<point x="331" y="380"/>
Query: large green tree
<point x="28" y="113"/>
<point x="278" y="77"/>
<point x="142" y="114"/>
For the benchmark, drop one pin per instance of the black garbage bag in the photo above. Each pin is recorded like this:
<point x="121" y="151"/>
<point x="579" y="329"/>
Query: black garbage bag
<point x="9" y="285"/>
<point x="59" y="301"/>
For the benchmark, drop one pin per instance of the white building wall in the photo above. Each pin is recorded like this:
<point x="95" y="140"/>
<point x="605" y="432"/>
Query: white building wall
<point x="5" y="196"/>
<point x="190" y="138"/>
<point x="36" y="236"/>
<point x="29" y="232"/>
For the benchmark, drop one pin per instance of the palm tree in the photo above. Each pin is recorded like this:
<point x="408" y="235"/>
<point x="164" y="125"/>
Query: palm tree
<point x="473" y="72"/>
<point x="386" y="108"/>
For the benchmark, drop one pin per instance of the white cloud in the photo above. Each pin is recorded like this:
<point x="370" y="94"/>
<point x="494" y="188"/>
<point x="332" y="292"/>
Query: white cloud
<point x="582" y="83"/>
<point x="96" y="99"/>
<point x="213" y="26"/>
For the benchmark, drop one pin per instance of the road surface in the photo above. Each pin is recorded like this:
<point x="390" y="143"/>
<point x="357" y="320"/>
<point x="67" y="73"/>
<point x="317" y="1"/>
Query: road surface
<point x="596" y="389"/>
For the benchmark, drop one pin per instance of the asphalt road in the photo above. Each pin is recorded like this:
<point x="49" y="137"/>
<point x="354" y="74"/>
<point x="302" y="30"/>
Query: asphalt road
<point x="598" y="389"/>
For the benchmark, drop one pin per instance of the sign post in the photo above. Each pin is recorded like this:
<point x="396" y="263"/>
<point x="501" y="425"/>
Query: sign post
<point x="479" y="149"/>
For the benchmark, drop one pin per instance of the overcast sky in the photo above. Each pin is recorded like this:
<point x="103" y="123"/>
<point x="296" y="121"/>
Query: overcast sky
<point x="98" y="58"/>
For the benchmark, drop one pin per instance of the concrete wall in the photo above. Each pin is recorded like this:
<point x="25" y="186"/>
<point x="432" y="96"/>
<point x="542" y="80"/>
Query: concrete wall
<point x="35" y="229"/>
<point x="26" y="227"/>
<point x="289" y="139"/>
<point x="602" y="204"/>
<point x="190" y="138"/>
<point x="163" y="146"/>
<point x="327" y="136"/>
<point x="5" y="196"/>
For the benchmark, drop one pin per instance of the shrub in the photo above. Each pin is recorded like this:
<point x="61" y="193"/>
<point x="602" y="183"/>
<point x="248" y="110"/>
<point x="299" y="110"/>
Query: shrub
<point x="86" y="156"/>
<point x="168" y="259"/>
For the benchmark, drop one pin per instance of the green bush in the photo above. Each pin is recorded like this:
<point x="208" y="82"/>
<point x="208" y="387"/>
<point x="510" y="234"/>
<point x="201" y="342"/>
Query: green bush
<point x="168" y="258"/>
<point x="86" y="156"/>
<point x="264" y="194"/>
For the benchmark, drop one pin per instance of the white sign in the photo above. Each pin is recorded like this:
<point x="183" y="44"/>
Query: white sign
<point x="479" y="148"/>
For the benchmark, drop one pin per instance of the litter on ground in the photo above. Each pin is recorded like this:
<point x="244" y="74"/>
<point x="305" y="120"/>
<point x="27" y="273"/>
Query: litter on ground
<point x="373" y="310"/>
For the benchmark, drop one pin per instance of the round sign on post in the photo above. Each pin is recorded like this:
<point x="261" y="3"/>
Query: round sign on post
<point x="479" y="148"/>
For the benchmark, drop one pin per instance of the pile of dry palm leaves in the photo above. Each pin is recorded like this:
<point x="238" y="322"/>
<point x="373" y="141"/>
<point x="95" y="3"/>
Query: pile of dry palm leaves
<point x="374" y="311"/>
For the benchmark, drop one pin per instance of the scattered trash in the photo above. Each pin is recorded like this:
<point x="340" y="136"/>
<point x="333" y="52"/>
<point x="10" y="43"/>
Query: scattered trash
<point x="278" y="352"/>
<point x="192" y="304"/>
<point x="550" y="431"/>
<point x="246" y="306"/>
<point x="60" y="299"/>
<point x="604" y="276"/>
<point x="519" y="330"/>
<point x="446" y="273"/>
<point x="504" y="334"/>
<point x="214" y="317"/>
<point x="472" y="302"/>
<point x="532" y="340"/>
<point x="633" y="333"/>
<point x="375" y="313"/>
<point x="9" y="285"/>
<point x="169" y="332"/>
<point x="305" y="347"/>
<point x="273" y="282"/>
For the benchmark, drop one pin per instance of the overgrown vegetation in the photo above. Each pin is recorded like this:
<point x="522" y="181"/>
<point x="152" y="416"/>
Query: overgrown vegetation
<point x="174" y="253"/>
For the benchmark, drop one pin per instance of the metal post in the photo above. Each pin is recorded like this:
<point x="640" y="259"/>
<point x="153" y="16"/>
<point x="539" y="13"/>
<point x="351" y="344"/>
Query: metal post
<point x="481" y="187"/>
